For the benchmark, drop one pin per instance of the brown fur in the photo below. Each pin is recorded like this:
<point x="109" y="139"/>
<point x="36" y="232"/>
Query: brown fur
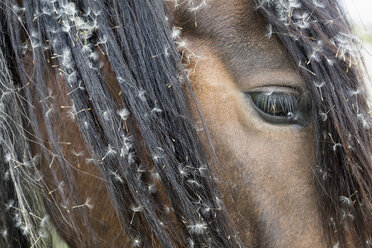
<point x="265" y="172"/>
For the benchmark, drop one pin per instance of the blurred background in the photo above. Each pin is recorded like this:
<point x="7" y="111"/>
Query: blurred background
<point x="360" y="12"/>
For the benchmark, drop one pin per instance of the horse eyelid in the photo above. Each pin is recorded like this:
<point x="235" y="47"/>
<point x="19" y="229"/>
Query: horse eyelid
<point x="289" y="103"/>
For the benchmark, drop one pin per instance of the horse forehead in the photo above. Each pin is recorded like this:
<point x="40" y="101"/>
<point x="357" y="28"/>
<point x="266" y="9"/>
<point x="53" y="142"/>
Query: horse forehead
<point x="222" y="18"/>
<point x="238" y="34"/>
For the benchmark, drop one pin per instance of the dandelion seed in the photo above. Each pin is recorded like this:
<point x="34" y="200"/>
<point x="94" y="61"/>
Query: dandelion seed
<point x="59" y="188"/>
<point x="334" y="147"/>
<point x="87" y="12"/>
<point x="346" y="201"/>
<point x="42" y="235"/>
<point x="355" y="92"/>
<point x="314" y="56"/>
<point x="219" y="202"/>
<point x="6" y="176"/>
<point x="156" y="110"/>
<point x="166" y="51"/>
<point x="44" y="221"/>
<point x="91" y="160"/>
<point x="106" y="115"/>
<point x="125" y="148"/>
<point x="351" y="142"/>
<point x="135" y="209"/>
<point x="151" y="188"/>
<point x="87" y="204"/>
<point x="194" y="182"/>
<point x="301" y="66"/>
<point x="190" y="243"/>
<point x="347" y="46"/>
<point x="69" y="9"/>
<point x="347" y="215"/>
<point x="38" y="177"/>
<point x="18" y="9"/>
<point x="117" y="176"/>
<point x="17" y="220"/>
<point x="302" y="24"/>
<point x="155" y="175"/>
<point x="79" y="23"/>
<point x="94" y="27"/>
<point x="137" y="242"/>
<point x="141" y="168"/>
<point x="331" y="62"/>
<point x="202" y="169"/>
<point x="4" y="233"/>
<point x="86" y="48"/>
<point x="47" y="113"/>
<point x="262" y="3"/>
<point x="121" y="80"/>
<point x="181" y="44"/>
<point x="123" y="113"/>
<point x="319" y="86"/>
<point x="72" y="77"/>
<point x="102" y="40"/>
<point x="131" y="158"/>
<point x="8" y="157"/>
<point x="176" y="33"/>
<point x="66" y="58"/>
<point x="77" y="154"/>
<point x="329" y="22"/>
<point x="127" y="139"/>
<point x="9" y="205"/>
<point x="319" y="4"/>
<point x="66" y="27"/>
<point x="156" y="157"/>
<point x="302" y="16"/>
<point x="86" y="124"/>
<point x="195" y="8"/>
<point x="323" y="116"/>
<point x="94" y="56"/>
<point x="269" y="31"/>
<point x="183" y="171"/>
<point x="71" y="112"/>
<point x="25" y="229"/>
<point x="80" y="87"/>
<point x="206" y="209"/>
<point x="141" y="95"/>
<point x="366" y="124"/>
<point x="198" y="228"/>
<point x="324" y="174"/>
<point x="295" y="4"/>
<point x="109" y="151"/>
<point x="166" y="209"/>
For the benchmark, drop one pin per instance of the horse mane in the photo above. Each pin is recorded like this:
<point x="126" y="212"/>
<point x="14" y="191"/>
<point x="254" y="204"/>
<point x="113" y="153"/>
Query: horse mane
<point x="146" y="135"/>
<point x="322" y="47"/>
<point x="159" y="127"/>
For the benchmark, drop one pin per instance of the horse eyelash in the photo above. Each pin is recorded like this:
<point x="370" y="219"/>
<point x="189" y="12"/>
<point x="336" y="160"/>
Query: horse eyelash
<point x="287" y="102"/>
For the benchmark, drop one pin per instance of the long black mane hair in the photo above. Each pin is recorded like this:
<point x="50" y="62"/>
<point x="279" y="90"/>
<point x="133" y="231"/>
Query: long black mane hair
<point x="138" y="128"/>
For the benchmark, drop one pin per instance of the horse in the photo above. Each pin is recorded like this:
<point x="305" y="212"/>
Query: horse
<point x="183" y="123"/>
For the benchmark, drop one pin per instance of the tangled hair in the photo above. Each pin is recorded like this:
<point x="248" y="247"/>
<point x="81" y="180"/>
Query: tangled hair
<point x="319" y="40"/>
<point x="52" y="51"/>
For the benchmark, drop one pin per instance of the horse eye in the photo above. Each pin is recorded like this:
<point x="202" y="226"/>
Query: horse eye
<point x="281" y="107"/>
